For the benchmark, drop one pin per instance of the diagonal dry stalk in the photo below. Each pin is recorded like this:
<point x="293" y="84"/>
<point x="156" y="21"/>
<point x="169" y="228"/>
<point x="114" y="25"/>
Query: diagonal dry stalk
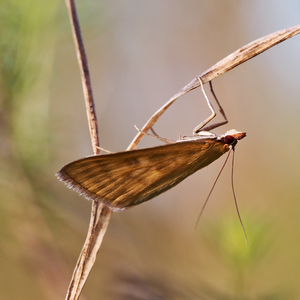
<point x="100" y="214"/>
<point x="229" y="62"/>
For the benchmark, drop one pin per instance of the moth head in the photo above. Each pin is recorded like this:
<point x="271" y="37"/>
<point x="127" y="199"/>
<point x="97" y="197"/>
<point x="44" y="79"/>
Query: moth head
<point x="232" y="136"/>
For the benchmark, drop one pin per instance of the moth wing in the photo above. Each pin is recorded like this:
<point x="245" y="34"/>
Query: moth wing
<point x="128" y="178"/>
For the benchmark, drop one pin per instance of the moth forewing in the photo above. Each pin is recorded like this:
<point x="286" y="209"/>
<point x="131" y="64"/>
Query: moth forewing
<point x="128" y="178"/>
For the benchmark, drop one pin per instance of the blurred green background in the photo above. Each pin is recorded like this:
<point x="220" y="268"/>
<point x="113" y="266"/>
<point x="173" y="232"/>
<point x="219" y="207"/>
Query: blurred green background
<point x="140" y="54"/>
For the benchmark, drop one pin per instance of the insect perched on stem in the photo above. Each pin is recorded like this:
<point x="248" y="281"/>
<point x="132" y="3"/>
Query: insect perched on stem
<point x="124" y="179"/>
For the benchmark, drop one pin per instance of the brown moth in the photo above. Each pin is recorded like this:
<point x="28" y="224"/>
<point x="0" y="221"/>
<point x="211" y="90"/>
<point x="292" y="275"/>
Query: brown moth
<point x="128" y="178"/>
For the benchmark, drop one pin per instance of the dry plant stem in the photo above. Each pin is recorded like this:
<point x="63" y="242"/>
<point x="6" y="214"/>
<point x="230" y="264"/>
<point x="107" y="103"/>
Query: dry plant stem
<point x="85" y="76"/>
<point x="100" y="214"/>
<point x="236" y="58"/>
<point x="100" y="217"/>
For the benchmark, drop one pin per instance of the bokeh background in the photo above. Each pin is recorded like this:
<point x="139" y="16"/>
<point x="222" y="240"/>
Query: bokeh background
<point x="140" y="54"/>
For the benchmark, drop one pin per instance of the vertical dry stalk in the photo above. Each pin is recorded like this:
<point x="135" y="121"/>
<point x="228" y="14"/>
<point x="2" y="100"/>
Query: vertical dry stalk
<point x="100" y="214"/>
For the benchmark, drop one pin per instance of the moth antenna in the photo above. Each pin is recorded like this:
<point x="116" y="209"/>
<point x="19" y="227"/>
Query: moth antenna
<point x="200" y="214"/>
<point x="235" y="200"/>
<point x="167" y="141"/>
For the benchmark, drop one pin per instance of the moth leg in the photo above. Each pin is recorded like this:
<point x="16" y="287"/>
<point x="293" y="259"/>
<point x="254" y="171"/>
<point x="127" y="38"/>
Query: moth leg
<point x="107" y="151"/>
<point x="213" y="113"/>
<point x="153" y="131"/>
<point x="210" y="127"/>
<point x="155" y="135"/>
<point x="201" y="126"/>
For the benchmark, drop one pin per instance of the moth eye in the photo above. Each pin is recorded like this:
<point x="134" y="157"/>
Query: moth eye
<point x="229" y="139"/>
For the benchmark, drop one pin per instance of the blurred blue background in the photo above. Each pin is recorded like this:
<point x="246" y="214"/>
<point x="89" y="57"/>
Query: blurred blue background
<point x="140" y="54"/>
